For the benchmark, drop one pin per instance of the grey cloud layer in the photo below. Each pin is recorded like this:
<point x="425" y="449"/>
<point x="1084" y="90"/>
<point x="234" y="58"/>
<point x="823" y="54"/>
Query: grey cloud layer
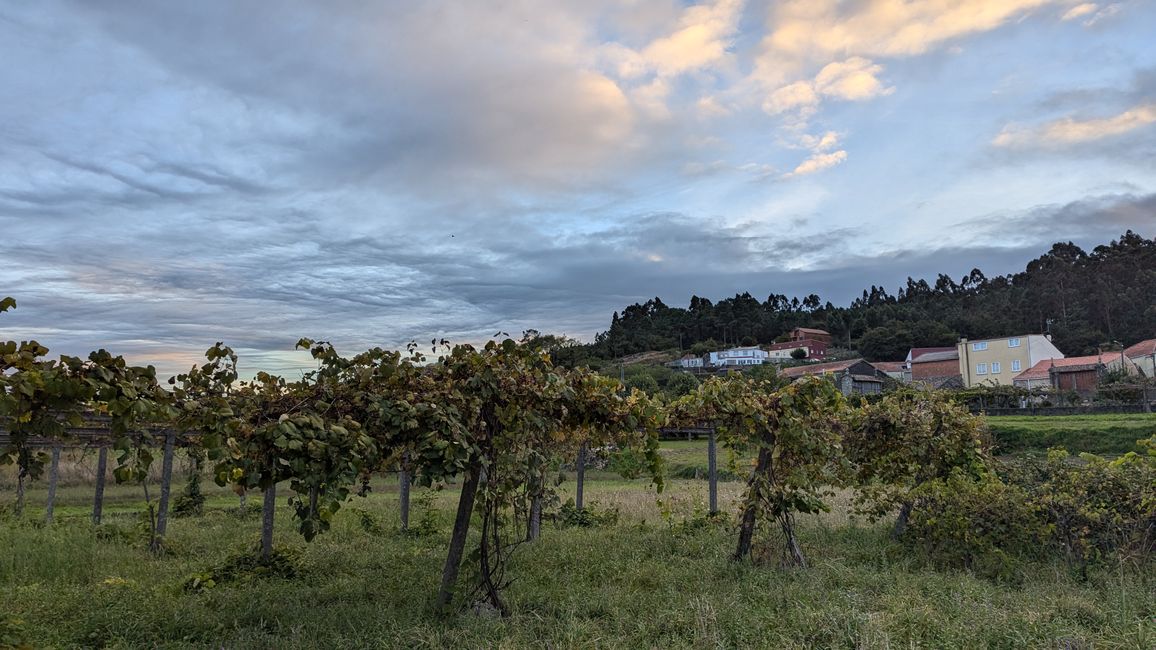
<point x="173" y="174"/>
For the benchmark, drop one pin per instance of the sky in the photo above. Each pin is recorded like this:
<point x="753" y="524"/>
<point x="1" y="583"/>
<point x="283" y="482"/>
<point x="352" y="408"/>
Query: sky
<point x="368" y="173"/>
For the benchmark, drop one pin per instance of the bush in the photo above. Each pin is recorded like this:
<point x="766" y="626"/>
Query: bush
<point x="700" y="472"/>
<point x="427" y="520"/>
<point x="628" y="463"/>
<point x="367" y="521"/>
<point x="588" y="517"/>
<point x="987" y="526"/>
<point x="1096" y="508"/>
<point x="1083" y="510"/>
<point x="191" y="502"/>
<point x="246" y="567"/>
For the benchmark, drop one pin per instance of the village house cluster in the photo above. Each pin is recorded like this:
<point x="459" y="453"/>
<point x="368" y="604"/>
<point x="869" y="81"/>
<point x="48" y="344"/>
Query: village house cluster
<point x="1029" y="361"/>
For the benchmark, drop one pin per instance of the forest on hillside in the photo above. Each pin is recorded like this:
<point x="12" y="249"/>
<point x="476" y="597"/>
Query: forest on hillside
<point x="1085" y="300"/>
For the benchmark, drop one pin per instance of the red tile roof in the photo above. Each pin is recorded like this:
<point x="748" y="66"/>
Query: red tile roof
<point x="794" y="344"/>
<point x="1043" y="369"/>
<point x="820" y="368"/>
<point x="932" y="357"/>
<point x="890" y="366"/>
<point x="1141" y="349"/>
<point x="915" y="353"/>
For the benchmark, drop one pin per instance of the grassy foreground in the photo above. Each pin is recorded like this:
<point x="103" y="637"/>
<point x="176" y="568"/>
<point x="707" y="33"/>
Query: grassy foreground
<point x="646" y="582"/>
<point x="1097" y="434"/>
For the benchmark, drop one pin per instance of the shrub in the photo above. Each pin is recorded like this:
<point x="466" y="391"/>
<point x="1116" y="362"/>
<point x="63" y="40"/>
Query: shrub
<point x="427" y="521"/>
<point x="1083" y="510"/>
<point x="191" y="502"/>
<point x="984" y="525"/>
<point x="588" y="517"/>
<point x="246" y="567"/>
<point x="700" y="472"/>
<point x="628" y="463"/>
<point x="1097" y="507"/>
<point x="906" y="439"/>
<point x="368" y="521"/>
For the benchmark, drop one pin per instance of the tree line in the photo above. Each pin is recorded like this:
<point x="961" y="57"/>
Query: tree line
<point x="1085" y="300"/>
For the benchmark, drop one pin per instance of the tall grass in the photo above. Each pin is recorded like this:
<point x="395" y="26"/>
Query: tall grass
<point x="651" y="581"/>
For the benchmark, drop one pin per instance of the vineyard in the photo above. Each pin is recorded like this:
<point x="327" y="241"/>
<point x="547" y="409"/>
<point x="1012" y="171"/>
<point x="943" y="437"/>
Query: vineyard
<point x="481" y="495"/>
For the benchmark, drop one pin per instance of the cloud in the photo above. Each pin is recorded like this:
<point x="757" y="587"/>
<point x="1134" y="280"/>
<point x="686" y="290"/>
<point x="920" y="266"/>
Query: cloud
<point x="829" y="28"/>
<point x="800" y="96"/>
<point x="1079" y="11"/>
<point x="710" y="106"/>
<point x="1103" y="14"/>
<point x="1070" y="131"/>
<point x="843" y="39"/>
<point x="1088" y="221"/>
<point x="178" y="174"/>
<point x="818" y="162"/>
<point x="854" y="79"/>
<point x="702" y="39"/>
<point x="824" y="142"/>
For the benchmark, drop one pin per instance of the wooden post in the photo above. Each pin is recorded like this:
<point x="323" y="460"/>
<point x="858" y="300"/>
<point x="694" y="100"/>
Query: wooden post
<point x="534" y="527"/>
<point x="267" y="511"/>
<point x="20" y="493"/>
<point x="101" y="470"/>
<point x="166" y="487"/>
<point x="53" y="477"/>
<point x="712" y="472"/>
<point x="403" y="491"/>
<point x="581" y="469"/>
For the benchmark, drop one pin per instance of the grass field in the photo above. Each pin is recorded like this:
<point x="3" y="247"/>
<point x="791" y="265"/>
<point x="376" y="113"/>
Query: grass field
<point x="1098" y="434"/>
<point x="651" y="581"/>
<point x="647" y="582"/>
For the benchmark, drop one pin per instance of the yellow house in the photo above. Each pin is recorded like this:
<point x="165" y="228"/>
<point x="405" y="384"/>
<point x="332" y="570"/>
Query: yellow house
<point x="998" y="361"/>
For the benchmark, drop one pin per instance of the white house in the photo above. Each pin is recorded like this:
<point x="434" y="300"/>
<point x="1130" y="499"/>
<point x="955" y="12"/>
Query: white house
<point x="746" y="356"/>
<point x="687" y="362"/>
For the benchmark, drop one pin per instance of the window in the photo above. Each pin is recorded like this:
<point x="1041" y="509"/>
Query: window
<point x="981" y="368"/>
<point x="979" y="346"/>
<point x="1013" y="343"/>
<point x="1016" y="365"/>
<point x="995" y="369"/>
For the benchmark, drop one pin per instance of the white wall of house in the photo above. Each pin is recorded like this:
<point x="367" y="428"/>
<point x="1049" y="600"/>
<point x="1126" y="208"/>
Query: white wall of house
<point x="784" y="354"/>
<point x="1040" y="348"/>
<point x="1146" y="364"/>
<point x="739" y="357"/>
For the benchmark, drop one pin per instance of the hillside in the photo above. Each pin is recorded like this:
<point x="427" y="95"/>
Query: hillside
<point x="1084" y="299"/>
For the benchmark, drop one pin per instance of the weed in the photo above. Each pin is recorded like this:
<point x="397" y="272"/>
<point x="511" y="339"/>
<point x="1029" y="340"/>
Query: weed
<point x="246" y="567"/>
<point x="589" y="516"/>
